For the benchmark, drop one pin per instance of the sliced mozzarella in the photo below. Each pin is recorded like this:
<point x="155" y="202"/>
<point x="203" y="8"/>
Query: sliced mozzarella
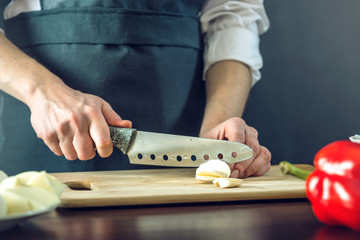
<point x="227" y="182"/>
<point x="22" y="199"/>
<point x="11" y="182"/>
<point x="46" y="181"/>
<point x="212" y="169"/>
<point x="15" y="203"/>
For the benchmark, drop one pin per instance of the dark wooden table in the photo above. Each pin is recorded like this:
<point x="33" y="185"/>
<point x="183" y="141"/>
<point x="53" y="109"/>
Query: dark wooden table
<point x="275" y="219"/>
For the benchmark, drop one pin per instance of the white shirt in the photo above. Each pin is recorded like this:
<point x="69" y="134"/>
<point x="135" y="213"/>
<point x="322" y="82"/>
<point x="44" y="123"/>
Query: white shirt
<point x="231" y="29"/>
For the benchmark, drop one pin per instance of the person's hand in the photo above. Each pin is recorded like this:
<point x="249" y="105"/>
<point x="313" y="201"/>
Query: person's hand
<point x="72" y="123"/>
<point x="235" y="129"/>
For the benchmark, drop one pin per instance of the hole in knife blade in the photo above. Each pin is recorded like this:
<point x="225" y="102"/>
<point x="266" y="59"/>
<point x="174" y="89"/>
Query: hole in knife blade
<point x="193" y="157"/>
<point x="179" y="158"/>
<point x="152" y="156"/>
<point x="234" y="154"/>
<point x="165" y="157"/>
<point x="206" y="157"/>
<point x="140" y="156"/>
<point x="220" y="156"/>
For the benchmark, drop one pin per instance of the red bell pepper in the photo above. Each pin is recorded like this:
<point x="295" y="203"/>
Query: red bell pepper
<point x="334" y="187"/>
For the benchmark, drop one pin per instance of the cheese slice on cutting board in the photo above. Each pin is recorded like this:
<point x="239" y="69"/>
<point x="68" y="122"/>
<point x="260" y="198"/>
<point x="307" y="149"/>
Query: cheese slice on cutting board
<point x="228" y="182"/>
<point x="212" y="169"/>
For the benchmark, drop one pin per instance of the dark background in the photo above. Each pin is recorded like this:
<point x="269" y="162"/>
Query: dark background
<point x="309" y="92"/>
<point x="308" y="95"/>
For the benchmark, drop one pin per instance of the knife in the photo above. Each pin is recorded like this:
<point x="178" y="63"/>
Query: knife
<point x="161" y="149"/>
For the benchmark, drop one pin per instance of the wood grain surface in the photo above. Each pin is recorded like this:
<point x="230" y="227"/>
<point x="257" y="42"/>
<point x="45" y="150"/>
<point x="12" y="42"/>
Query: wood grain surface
<point x="175" y="185"/>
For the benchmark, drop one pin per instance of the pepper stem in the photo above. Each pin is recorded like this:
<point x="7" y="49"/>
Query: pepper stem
<point x="288" y="168"/>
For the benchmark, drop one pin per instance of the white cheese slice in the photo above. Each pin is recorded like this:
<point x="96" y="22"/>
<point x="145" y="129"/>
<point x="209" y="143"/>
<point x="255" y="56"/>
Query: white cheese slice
<point x="211" y="170"/>
<point x="46" y="181"/>
<point x="11" y="182"/>
<point x="25" y="176"/>
<point x="15" y="203"/>
<point x="228" y="182"/>
<point x="23" y="199"/>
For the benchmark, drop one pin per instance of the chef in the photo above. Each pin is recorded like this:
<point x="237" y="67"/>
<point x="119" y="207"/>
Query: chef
<point x="70" y="68"/>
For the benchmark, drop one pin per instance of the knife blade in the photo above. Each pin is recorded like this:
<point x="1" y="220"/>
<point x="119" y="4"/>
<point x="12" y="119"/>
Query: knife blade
<point x="150" y="148"/>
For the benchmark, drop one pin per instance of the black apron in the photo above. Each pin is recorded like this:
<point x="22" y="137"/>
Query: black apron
<point x="144" y="57"/>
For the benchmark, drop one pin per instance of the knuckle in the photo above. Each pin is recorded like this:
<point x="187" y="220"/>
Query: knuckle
<point x="250" y="170"/>
<point x="240" y="166"/>
<point x="238" y="121"/>
<point x="91" y="111"/>
<point x="268" y="166"/>
<point x="256" y="149"/>
<point x="238" y="134"/>
<point x="253" y="131"/>
<point x="47" y="136"/>
<point x="104" y="143"/>
<point x="63" y="128"/>
<point x="267" y="154"/>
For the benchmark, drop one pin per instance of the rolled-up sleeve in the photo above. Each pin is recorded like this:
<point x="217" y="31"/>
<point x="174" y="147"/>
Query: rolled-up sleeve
<point x="232" y="30"/>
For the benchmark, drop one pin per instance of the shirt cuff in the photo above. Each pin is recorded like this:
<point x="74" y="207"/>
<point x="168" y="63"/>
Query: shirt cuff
<point x="2" y="31"/>
<point x="238" y="44"/>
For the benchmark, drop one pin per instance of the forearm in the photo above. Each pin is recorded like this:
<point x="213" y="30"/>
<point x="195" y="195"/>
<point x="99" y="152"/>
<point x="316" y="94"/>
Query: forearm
<point x="20" y="75"/>
<point x="227" y="88"/>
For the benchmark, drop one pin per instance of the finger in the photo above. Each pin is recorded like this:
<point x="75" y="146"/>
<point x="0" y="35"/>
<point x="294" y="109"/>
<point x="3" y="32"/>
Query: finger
<point x="262" y="159"/>
<point x="235" y="130"/>
<point x="68" y="149"/>
<point x="53" y="145"/>
<point x="262" y="170"/>
<point x="100" y="134"/>
<point x="51" y="141"/>
<point x="84" y="145"/>
<point x="124" y="124"/>
<point x="112" y="118"/>
<point x="235" y="173"/>
<point x="252" y="140"/>
<point x="240" y="168"/>
<point x="267" y="157"/>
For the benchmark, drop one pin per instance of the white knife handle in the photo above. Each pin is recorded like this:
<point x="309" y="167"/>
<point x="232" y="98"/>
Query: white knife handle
<point x="122" y="138"/>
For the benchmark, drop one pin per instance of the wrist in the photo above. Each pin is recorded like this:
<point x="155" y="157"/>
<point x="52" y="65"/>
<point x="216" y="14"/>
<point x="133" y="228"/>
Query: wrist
<point x="227" y="87"/>
<point x="35" y="81"/>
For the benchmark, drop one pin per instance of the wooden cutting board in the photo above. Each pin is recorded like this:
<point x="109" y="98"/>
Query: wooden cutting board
<point x="175" y="185"/>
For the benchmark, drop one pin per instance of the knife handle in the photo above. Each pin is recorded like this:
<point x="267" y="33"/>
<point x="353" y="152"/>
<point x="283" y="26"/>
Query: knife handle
<point x="122" y="137"/>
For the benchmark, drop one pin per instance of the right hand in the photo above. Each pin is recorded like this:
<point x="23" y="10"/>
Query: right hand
<point x="72" y="123"/>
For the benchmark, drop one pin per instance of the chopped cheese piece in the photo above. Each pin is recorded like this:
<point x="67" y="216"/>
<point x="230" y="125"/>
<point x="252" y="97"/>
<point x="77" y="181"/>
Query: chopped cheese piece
<point x="227" y="182"/>
<point x="22" y="199"/>
<point x="47" y="182"/>
<point x="11" y="182"/>
<point x="212" y="169"/>
<point x="29" y="191"/>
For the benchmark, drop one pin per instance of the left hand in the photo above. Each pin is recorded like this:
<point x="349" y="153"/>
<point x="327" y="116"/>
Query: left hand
<point x="235" y="129"/>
